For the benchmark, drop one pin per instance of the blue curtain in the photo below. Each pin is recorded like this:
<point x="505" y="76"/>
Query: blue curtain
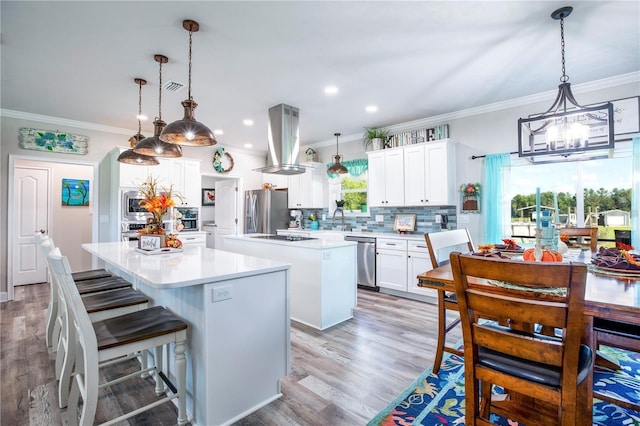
<point x="635" y="195"/>
<point x="494" y="196"/>
<point x="355" y="167"/>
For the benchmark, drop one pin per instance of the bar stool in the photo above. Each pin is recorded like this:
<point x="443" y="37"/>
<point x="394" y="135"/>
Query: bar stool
<point x="94" y="344"/>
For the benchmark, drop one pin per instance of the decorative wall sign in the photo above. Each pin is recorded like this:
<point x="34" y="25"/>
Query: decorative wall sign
<point x="47" y="140"/>
<point x="222" y="161"/>
<point x="75" y="192"/>
<point x="208" y="197"/>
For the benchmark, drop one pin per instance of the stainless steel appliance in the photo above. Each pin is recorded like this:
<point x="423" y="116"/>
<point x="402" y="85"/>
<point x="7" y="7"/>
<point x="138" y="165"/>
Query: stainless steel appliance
<point x="265" y="211"/>
<point x="366" y="261"/>
<point x="187" y="219"/>
<point x="284" y="141"/>
<point x="129" y="230"/>
<point x="131" y="210"/>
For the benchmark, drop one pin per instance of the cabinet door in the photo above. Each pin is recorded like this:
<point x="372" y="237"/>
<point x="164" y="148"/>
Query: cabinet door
<point x="130" y="175"/>
<point x="417" y="263"/>
<point x="176" y="177"/>
<point x="192" y="183"/>
<point x="294" y="199"/>
<point x="276" y="181"/>
<point x="377" y="180"/>
<point x="414" y="176"/>
<point x="394" y="177"/>
<point x="437" y="177"/>
<point x="391" y="269"/>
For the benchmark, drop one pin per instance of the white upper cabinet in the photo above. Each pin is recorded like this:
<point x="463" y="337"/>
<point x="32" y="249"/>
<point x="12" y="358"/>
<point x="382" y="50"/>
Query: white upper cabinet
<point x="429" y="174"/>
<point x="306" y="190"/>
<point x="276" y="181"/>
<point x="386" y="178"/>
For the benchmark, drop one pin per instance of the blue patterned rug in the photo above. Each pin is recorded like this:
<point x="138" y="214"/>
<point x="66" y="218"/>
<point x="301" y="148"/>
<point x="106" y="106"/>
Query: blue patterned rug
<point x="439" y="399"/>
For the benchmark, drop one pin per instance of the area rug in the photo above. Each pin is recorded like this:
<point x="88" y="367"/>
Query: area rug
<point x="438" y="399"/>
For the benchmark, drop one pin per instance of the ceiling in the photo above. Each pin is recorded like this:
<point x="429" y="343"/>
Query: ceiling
<point x="78" y="60"/>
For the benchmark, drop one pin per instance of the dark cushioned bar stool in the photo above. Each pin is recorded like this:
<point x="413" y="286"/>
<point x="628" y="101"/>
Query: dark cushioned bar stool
<point x="101" y="342"/>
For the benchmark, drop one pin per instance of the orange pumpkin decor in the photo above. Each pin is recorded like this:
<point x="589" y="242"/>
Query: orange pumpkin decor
<point x="547" y="255"/>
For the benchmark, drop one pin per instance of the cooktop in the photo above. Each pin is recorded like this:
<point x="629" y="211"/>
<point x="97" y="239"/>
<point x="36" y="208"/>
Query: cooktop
<point x="284" y="237"/>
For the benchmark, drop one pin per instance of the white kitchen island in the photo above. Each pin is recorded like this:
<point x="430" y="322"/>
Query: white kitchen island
<point x="323" y="274"/>
<point x="237" y="309"/>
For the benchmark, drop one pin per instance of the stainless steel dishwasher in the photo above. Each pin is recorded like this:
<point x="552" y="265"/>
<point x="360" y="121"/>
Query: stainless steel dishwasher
<point x="366" y="261"/>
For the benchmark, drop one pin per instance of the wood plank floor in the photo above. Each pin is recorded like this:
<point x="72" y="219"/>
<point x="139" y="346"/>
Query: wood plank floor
<point x="341" y="376"/>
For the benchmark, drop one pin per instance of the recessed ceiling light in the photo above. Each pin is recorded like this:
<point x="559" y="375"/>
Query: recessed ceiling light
<point x="248" y="145"/>
<point x="142" y="117"/>
<point x="247" y="122"/>
<point x="371" y="108"/>
<point x="330" y="90"/>
<point x="218" y="132"/>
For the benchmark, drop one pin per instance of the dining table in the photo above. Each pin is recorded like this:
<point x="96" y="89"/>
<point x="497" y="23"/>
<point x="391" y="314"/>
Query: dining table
<point x="608" y="295"/>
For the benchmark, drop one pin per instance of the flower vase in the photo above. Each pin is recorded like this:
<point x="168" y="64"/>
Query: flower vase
<point x="315" y="225"/>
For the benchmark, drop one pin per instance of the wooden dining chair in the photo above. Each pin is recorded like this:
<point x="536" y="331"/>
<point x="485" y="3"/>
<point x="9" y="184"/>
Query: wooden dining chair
<point x="544" y="376"/>
<point x="440" y="244"/>
<point x="580" y="233"/>
<point x="112" y="340"/>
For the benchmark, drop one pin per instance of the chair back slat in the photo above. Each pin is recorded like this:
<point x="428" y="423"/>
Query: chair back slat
<point x="438" y="242"/>
<point x="591" y="233"/>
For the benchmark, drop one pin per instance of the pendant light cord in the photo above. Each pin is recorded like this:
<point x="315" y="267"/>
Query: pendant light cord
<point x="139" y="105"/>
<point x="190" y="42"/>
<point x="160" y="93"/>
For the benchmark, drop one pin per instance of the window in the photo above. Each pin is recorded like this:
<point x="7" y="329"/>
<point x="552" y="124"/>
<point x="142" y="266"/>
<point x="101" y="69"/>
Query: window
<point x="350" y="188"/>
<point x="585" y="193"/>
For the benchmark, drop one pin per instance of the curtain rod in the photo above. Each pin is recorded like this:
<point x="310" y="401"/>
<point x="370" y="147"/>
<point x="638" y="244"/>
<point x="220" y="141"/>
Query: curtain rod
<point x="473" y="157"/>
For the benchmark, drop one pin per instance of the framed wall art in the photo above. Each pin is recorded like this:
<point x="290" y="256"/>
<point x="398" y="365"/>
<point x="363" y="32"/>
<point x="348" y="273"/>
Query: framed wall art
<point x="208" y="197"/>
<point x="75" y="192"/>
<point x="404" y="223"/>
<point x="53" y="141"/>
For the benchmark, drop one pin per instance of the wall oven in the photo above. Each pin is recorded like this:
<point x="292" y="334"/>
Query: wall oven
<point x="131" y="209"/>
<point x="187" y="219"/>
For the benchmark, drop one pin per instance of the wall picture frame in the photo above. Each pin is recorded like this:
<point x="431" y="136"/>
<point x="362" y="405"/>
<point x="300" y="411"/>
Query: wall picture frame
<point x="404" y="222"/>
<point x="75" y="192"/>
<point x="208" y="197"/>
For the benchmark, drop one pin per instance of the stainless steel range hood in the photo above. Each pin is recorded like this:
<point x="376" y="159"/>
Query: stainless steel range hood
<point x="284" y="141"/>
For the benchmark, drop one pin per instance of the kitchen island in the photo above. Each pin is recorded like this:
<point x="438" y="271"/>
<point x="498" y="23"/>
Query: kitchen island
<point x="323" y="274"/>
<point x="237" y="310"/>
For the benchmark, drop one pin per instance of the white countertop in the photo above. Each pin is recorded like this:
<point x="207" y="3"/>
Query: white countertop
<point x="193" y="266"/>
<point x="320" y="243"/>
<point x="357" y="233"/>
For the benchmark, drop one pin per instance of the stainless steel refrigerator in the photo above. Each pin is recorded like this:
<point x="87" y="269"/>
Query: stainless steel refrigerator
<point x="265" y="211"/>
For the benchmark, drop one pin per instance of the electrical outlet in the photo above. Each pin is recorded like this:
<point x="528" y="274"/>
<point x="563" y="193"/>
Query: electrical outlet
<point x="438" y="218"/>
<point x="218" y="294"/>
<point x="379" y="218"/>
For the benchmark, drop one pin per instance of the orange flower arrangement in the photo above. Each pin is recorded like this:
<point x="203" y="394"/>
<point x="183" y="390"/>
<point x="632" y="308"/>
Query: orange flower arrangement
<point x="624" y="250"/>
<point x="157" y="203"/>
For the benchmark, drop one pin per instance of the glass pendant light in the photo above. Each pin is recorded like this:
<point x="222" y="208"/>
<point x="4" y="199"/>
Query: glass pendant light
<point x="189" y="131"/>
<point x="336" y="167"/>
<point x="153" y="145"/>
<point x="129" y="156"/>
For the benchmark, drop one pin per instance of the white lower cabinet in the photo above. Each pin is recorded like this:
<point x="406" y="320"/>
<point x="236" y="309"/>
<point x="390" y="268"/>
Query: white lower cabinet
<point x="193" y="237"/>
<point x="391" y="263"/>
<point x="418" y="262"/>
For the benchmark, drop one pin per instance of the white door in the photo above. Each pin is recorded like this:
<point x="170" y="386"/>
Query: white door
<point x="31" y="214"/>
<point x="226" y="210"/>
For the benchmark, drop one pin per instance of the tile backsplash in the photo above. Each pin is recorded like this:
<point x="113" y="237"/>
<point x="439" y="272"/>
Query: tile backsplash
<point x="425" y="219"/>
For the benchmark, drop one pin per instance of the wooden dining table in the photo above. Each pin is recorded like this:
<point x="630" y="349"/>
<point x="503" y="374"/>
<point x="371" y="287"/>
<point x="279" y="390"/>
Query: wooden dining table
<point x="606" y="296"/>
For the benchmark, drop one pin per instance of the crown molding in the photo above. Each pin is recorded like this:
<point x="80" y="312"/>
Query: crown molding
<point x="605" y="83"/>
<point x="20" y="115"/>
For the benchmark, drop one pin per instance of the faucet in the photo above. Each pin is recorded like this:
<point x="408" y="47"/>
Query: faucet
<point x="339" y="209"/>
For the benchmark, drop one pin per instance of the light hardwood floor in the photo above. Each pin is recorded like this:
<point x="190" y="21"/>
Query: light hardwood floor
<point x="341" y="376"/>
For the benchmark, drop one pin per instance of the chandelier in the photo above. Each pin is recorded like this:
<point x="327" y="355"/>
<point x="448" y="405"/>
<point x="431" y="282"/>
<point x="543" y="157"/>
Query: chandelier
<point x="566" y="127"/>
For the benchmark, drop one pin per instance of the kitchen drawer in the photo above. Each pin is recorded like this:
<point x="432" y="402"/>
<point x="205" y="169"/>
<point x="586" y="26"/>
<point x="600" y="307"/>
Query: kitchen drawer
<point x="199" y="238"/>
<point x="416" y="245"/>
<point x="391" y="244"/>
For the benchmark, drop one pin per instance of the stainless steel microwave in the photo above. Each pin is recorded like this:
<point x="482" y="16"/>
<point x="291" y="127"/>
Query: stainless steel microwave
<point x="131" y="209"/>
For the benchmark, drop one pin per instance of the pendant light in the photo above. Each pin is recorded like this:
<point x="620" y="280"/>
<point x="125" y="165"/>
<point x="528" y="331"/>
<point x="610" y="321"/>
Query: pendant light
<point x="153" y="145"/>
<point x="565" y="128"/>
<point x="188" y="131"/>
<point x="129" y="156"/>
<point x="336" y="167"/>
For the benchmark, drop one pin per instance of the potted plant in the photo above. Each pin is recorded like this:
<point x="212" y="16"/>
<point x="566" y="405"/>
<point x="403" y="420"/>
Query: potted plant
<point x="375" y="138"/>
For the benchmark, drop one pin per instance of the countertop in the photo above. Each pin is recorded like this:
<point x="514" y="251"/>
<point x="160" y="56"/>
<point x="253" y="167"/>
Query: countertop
<point x="357" y="234"/>
<point x="193" y="266"/>
<point x="318" y="243"/>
